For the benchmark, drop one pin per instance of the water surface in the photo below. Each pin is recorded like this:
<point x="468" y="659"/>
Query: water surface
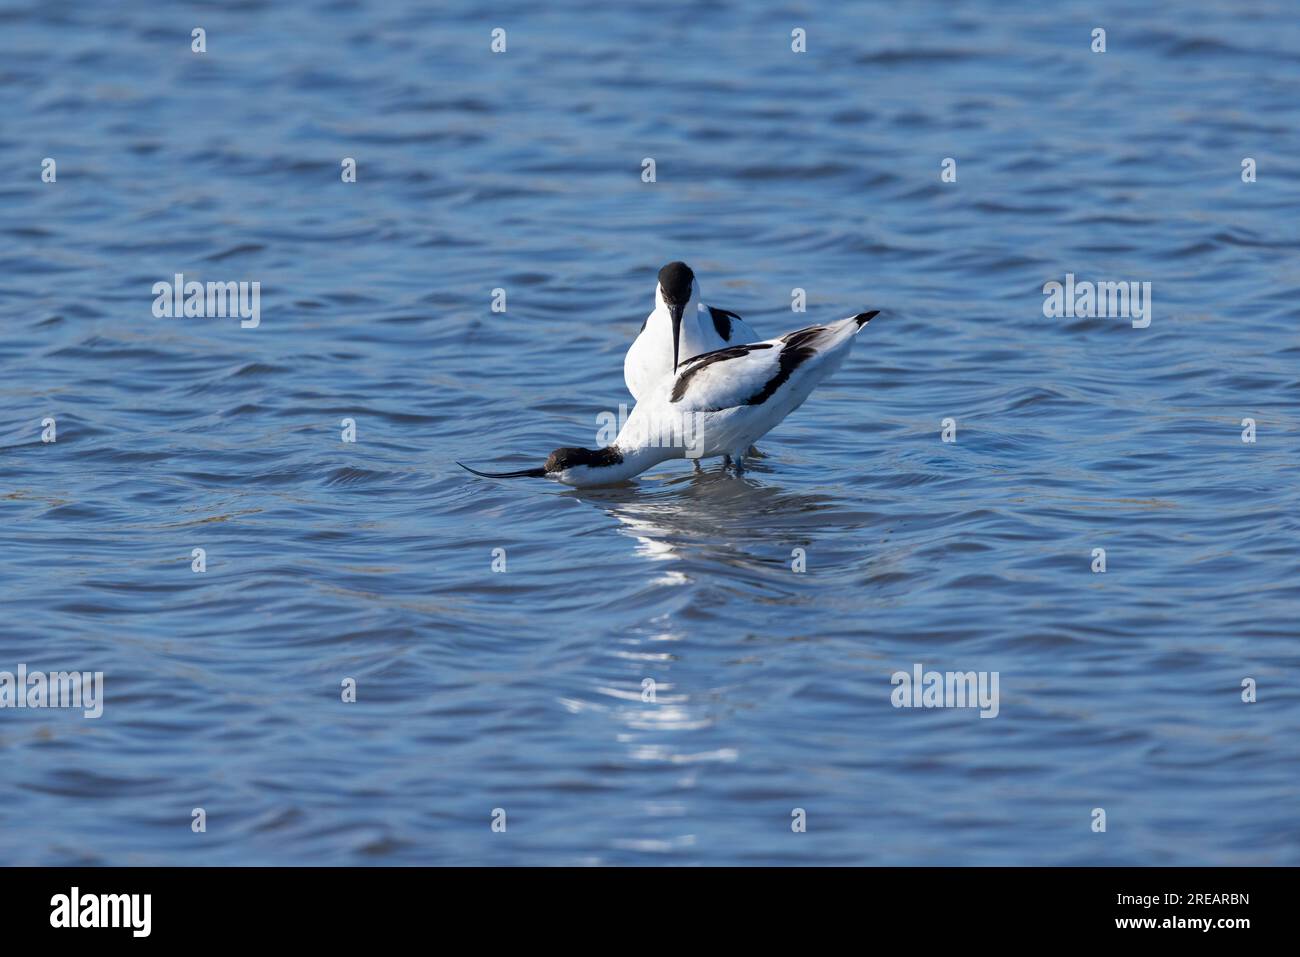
<point x="522" y="690"/>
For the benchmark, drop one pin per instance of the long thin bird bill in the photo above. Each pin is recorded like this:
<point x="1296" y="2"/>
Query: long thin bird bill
<point x="522" y="473"/>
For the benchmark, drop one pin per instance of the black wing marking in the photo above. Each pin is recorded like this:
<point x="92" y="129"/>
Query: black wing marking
<point x="726" y="352"/>
<point x="803" y="337"/>
<point x="799" y="347"/>
<point x="706" y="359"/>
<point x="722" y="322"/>
<point x="796" y="349"/>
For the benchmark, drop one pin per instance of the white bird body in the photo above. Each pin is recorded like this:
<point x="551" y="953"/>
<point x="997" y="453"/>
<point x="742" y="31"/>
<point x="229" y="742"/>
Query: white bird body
<point x="704" y="386"/>
<point x="718" y="403"/>
<point x="699" y="329"/>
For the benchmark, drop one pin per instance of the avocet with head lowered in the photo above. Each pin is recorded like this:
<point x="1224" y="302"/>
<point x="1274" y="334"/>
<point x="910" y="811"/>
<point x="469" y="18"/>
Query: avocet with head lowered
<point x="681" y="327"/>
<point x="718" y="403"/>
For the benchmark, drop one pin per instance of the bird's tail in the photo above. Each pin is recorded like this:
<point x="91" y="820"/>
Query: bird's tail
<point x="838" y="333"/>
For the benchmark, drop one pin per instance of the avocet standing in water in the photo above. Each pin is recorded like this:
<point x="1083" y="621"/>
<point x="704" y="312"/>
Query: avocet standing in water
<point x="680" y="328"/>
<point x="718" y="403"/>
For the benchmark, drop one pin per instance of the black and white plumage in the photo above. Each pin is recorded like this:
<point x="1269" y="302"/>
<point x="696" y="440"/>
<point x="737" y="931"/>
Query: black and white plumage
<point x="680" y="328"/>
<point x="717" y="403"/>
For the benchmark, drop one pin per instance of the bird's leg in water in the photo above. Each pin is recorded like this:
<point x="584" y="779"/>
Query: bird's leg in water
<point x="698" y="467"/>
<point x="726" y="462"/>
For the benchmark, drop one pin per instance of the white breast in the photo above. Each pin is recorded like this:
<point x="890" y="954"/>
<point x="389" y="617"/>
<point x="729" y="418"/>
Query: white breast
<point x="650" y="359"/>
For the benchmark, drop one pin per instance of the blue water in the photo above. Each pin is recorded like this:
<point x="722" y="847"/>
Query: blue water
<point x="522" y="690"/>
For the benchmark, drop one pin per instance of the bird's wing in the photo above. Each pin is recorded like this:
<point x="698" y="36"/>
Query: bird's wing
<point x="731" y="327"/>
<point x="741" y="331"/>
<point x="725" y="378"/>
<point x="751" y="374"/>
